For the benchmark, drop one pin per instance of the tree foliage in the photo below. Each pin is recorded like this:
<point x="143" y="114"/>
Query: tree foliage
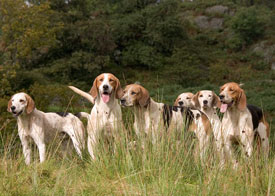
<point x="73" y="41"/>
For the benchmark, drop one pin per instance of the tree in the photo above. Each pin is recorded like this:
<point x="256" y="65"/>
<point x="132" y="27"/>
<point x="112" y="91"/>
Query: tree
<point x="27" y="34"/>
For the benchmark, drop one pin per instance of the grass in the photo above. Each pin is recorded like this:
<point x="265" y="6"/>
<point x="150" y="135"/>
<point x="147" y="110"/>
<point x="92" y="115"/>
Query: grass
<point x="170" y="167"/>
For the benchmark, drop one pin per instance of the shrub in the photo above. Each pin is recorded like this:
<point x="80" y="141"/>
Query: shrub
<point x="247" y="26"/>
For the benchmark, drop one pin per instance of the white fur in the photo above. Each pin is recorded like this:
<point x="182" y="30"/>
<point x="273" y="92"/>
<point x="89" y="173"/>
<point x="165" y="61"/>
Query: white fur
<point x="105" y="117"/>
<point x="44" y="127"/>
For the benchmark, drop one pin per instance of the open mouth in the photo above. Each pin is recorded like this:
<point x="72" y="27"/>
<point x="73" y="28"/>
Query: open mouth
<point x="224" y="106"/>
<point x="105" y="97"/>
<point x="17" y="114"/>
<point x="205" y="106"/>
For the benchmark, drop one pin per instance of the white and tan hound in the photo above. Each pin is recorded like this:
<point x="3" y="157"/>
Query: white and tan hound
<point x="152" y="117"/>
<point x="43" y="127"/>
<point x="208" y="102"/>
<point x="184" y="99"/>
<point x="241" y="121"/>
<point x="106" y="113"/>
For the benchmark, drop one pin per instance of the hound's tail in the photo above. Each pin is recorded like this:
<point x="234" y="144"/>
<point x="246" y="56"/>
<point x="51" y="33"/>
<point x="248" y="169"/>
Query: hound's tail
<point x="82" y="115"/>
<point x="83" y="94"/>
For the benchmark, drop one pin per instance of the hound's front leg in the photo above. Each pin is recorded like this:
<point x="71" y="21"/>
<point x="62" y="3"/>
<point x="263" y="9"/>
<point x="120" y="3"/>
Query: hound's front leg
<point x="229" y="151"/>
<point x="247" y="137"/>
<point x="42" y="152"/>
<point x="39" y="141"/>
<point x="26" y="149"/>
<point x="91" y="145"/>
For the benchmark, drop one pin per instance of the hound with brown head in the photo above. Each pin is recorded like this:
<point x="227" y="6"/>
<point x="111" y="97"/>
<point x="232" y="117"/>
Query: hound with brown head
<point x="241" y="121"/>
<point x="43" y="127"/>
<point x="106" y="113"/>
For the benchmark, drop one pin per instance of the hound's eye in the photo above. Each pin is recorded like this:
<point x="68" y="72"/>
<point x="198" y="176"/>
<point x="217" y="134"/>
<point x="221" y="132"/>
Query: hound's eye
<point x="111" y="80"/>
<point x="188" y="98"/>
<point x="21" y="101"/>
<point x="201" y="96"/>
<point x="124" y="92"/>
<point x="231" y="89"/>
<point x="133" y="93"/>
<point x="209" y="96"/>
<point x="101" y="80"/>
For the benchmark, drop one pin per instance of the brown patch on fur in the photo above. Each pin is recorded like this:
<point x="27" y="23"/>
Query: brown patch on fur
<point x="96" y="83"/>
<point x="141" y="96"/>
<point x="188" y="94"/>
<point x="30" y="105"/>
<point x="206" y="124"/>
<point x="236" y="93"/>
<point x="114" y="81"/>
<point x="192" y="126"/>
<point x="176" y="102"/>
<point x="144" y="98"/>
<point x="242" y="100"/>
<point x="216" y="100"/>
<point x="195" y="99"/>
<point x="266" y="124"/>
<point x="9" y="105"/>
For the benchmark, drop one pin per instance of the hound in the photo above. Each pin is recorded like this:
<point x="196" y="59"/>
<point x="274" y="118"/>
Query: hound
<point x="208" y="102"/>
<point x="241" y="121"/>
<point x="152" y="117"/>
<point x="106" y="113"/>
<point x="184" y="99"/>
<point x="43" y="127"/>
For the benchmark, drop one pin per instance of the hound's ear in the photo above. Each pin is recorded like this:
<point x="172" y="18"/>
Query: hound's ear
<point x="119" y="91"/>
<point x="94" y="91"/>
<point x="30" y="105"/>
<point x="145" y="97"/>
<point x="9" y="105"/>
<point x="195" y="100"/>
<point x="177" y="101"/>
<point x="242" y="100"/>
<point x="216" y="100"/>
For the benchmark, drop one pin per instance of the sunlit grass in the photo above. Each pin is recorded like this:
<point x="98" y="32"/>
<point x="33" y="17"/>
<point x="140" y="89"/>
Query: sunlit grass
<point x="169" y="167"/>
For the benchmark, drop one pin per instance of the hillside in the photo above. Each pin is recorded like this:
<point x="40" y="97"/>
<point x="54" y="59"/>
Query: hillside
<point x="170" y="47"/>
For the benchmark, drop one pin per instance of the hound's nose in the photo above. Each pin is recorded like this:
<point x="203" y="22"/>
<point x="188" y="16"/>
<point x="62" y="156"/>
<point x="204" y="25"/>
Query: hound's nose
<point x="123" y="101"/>
<point x="221" y="97"/>
<point x="13" y="108"/>
<point x="205" y="102"/>
<point x="105" y="87"/>
<point x="181" y="103"/>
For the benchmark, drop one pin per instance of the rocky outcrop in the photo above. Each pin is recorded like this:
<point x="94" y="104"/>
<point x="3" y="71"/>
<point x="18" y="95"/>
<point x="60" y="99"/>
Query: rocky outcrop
<point x="267" y="51"/>
<point x="217" y="9"/>
<point x="204" y="22"/>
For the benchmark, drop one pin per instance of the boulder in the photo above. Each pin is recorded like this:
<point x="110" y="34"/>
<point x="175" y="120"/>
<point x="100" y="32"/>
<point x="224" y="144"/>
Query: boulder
<point x="217" y="9"/>
<point x="202" y="22"/>
<point x="267" y="51"/>
<point x="216" y="23"/>
<point x="205" y="22"/>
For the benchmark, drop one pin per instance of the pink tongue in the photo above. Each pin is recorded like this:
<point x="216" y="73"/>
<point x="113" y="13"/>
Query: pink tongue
<point x="105" y="98"/>
<point x="223" y="108"/>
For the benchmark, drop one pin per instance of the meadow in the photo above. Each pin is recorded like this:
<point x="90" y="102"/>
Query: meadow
<point x="171" y="167"/>
<point x="170" y="47"/>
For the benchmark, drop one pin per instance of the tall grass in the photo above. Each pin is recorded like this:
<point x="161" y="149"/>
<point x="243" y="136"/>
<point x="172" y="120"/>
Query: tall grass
<point x="136" y="167"/>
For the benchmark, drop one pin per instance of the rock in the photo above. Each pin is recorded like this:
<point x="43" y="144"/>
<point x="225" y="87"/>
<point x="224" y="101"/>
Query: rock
<point x="204" y="22"/>
<point x="216" y="23"/>
<point x="217" y="9"/>
<point x="267" y="51"/>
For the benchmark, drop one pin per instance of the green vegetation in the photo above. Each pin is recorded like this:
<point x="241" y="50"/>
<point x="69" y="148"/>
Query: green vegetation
<point x="170" y="167"/>
<point x="169" y="47"/>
